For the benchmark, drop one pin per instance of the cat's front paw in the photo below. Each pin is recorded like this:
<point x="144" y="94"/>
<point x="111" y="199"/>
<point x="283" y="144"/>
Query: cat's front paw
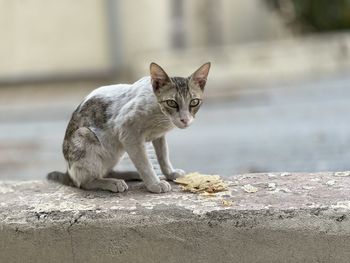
<point x="175" y="174"/>
<point x="161" y="187"/>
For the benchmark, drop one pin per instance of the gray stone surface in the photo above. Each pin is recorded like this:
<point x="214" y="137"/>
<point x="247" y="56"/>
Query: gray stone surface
<point x="291" y="218"/>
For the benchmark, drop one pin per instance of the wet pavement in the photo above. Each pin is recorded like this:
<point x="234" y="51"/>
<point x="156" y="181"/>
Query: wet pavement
<point x="296" y="127"/>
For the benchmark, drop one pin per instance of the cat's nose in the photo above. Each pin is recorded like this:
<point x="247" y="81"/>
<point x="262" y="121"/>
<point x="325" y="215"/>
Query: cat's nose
<point x="184" y="121"/>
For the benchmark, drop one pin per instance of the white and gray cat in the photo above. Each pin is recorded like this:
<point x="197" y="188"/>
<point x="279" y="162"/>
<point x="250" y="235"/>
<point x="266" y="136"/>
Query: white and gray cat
<point x="121" y="118"/>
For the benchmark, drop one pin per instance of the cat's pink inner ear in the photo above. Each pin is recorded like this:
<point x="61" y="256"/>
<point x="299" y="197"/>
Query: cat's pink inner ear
<point x="158" y="76"/>
<point x="199" y="77"/>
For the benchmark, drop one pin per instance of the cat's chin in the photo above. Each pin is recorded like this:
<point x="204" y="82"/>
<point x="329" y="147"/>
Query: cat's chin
<point x="182" y="126"/>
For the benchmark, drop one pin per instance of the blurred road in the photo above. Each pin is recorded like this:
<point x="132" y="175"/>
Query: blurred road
<point x="299" y="127"/>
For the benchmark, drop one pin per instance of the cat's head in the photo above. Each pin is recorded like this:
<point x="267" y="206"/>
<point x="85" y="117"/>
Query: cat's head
<point x="179" y="98"/>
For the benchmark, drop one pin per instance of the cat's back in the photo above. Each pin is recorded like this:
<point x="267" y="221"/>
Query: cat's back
<point x="100" y="106"/>
<point x="120" y="93"/>
<point x="106" y="102"/>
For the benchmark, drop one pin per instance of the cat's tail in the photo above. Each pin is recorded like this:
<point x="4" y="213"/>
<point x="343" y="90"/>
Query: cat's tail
<point x="59" y="177"/>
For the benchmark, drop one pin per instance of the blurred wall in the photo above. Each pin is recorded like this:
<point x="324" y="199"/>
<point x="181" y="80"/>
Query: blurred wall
<point x="44" y="37"/>
<point x="143" y="25"/>
<point x="227" y="22"/>
<point x="72" y="37"/>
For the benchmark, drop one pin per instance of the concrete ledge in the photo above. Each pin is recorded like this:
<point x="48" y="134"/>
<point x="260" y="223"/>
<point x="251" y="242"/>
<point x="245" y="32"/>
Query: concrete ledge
<point x="291" y="218"/>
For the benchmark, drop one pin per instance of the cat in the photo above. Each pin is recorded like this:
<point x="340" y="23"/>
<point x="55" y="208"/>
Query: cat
<point x="116" y="119"/>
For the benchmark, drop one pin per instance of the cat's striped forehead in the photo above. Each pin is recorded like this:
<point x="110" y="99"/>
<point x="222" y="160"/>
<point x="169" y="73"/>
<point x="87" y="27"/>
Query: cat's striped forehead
<point x="181" y="85"/>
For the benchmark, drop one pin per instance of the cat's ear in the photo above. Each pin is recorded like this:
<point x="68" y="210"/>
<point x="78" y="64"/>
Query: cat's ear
<point x="158" y="76"/>
<point x="199" y="77"/>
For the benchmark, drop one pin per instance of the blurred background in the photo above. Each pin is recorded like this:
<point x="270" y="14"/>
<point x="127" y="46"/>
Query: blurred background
<point x="277" y="98"/>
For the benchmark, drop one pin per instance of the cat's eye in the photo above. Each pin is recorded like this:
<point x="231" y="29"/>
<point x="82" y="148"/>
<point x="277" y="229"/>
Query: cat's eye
<point x="172" y="103"/>
<point x="194" y="102"/>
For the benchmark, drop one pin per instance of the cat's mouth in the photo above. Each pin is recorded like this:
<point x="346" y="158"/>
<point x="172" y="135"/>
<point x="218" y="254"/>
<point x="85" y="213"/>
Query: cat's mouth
<point x="181" y="124"/>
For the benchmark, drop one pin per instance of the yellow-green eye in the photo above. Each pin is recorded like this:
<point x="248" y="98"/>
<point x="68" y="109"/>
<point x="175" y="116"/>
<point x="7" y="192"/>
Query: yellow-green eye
<point x="194" y="102"/>
<point x="172" y="103"/>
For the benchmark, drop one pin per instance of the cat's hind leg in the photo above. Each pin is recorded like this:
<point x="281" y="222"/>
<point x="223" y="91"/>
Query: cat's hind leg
<point x="109" y="184"/>
<point x="89" y="162"/>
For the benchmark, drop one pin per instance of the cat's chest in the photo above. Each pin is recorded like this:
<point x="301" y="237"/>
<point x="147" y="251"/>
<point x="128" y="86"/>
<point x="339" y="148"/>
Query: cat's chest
<point x="157" y="132"/>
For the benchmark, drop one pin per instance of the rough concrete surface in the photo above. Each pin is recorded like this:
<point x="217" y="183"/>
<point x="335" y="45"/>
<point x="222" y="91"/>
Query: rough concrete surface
<point x="290" y="218"/>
